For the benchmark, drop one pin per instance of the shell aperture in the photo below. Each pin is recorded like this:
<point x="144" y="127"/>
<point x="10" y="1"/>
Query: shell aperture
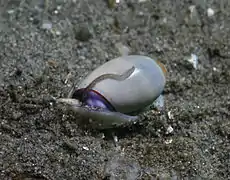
<point x="92" y="98"/>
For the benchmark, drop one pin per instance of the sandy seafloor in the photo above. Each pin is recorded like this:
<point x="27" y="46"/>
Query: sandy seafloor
<point x="46" y="46"/>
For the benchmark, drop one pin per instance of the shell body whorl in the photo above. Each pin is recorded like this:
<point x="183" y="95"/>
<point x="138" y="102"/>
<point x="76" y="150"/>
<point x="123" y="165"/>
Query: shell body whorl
<point x="135" y="92"/>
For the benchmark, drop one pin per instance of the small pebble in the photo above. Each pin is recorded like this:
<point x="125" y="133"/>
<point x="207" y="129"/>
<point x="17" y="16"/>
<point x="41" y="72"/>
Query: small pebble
<point x="214" y="69"/>
<point x="10" y="11"/>
<point x="115" y="138"/>
<point x="170" y="116"/>
<point x="192" y="8"/>
<point x="58" y="7"/>
<point x="85" y="148"/>
<point x="58" y="33"/>
<point x="193" y="60"/>
<point x="83" y="33"/>
<point x="168" y="141"/>
<point x="141" y="1"/>
<point x="159" y="103"/>
<point x="46" y="25"/>
<point x="169" y="130"/>
<point x="210" y="12"/>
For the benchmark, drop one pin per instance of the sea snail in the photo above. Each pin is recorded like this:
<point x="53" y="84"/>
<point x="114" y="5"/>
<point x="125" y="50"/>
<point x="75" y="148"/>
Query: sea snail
<point x="112" y="93"/>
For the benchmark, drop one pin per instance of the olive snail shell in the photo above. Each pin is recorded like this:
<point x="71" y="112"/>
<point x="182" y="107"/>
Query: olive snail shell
<point x="137" y="91"/>
<point x="117" y="89"/>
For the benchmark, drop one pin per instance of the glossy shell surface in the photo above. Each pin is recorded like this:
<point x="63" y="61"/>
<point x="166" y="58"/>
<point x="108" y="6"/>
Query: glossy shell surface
<point x="134" y="93"/>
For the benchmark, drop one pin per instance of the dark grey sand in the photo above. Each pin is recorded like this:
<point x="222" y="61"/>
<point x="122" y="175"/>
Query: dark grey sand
<point x="38" y="141"/>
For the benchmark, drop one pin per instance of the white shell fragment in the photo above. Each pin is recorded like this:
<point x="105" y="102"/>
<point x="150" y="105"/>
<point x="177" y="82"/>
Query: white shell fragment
<point x="193" y="60"/>
<point x="159" y="102"/>
<point x="141" y="1"/>
<point x="210" y="12"/>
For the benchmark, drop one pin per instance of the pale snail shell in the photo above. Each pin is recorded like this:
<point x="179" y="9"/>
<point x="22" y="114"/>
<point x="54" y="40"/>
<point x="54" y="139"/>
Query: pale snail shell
<point x="117" y="89"/>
